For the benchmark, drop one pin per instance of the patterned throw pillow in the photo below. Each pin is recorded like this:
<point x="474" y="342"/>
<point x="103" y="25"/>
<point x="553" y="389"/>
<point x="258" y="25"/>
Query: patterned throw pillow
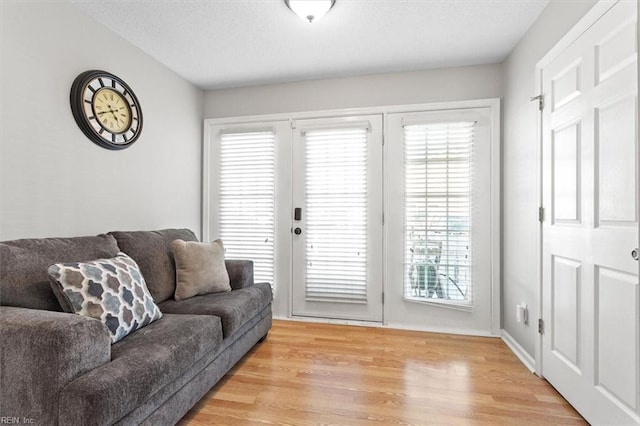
<point x="111" y="290"/>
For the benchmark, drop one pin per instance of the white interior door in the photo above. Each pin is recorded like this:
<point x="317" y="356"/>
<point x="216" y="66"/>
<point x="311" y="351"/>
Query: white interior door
<point x="337" y="218"/>
<point x="590" y="188"/>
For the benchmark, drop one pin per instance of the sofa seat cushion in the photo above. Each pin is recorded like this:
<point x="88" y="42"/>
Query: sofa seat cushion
<point x="234" y="307"/>
<point x="24" y="282"/>
<point x="141" y="364"/>
<point x="152" y="252"/>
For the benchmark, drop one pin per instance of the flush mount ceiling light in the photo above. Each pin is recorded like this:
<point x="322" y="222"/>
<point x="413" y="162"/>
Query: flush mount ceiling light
<point x="310" y="10"/>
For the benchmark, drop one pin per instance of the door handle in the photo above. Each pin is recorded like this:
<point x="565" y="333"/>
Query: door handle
<point x="297" y="231"/>
<point x="634" y="254"/>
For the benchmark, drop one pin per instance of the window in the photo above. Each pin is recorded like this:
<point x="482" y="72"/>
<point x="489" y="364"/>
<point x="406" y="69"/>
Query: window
<point x="438" y="210"/>
<point x="246" y="199"/>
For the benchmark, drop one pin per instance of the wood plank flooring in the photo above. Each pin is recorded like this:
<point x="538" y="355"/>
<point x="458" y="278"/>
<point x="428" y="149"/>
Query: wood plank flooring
<point x="310" y="374"/>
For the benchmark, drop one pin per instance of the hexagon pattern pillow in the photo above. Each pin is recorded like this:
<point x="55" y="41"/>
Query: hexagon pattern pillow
<point x="111" y="290"/>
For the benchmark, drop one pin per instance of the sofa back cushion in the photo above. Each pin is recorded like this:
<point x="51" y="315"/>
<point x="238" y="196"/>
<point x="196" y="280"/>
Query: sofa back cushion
<point x="24" y="281"/>
<point x="152" y="252"/>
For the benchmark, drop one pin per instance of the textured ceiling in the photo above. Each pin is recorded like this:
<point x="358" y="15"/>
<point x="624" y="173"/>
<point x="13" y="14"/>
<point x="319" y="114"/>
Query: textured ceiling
<point x="230" y="43"/>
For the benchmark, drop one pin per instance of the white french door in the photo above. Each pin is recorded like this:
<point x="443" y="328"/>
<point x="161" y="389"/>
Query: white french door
<point x="337" y="218"/>
<point x="590" y="185"/>
<point x="246" y="197"/>
<point x="303" y="197"/>
<point x="439" y="220"/>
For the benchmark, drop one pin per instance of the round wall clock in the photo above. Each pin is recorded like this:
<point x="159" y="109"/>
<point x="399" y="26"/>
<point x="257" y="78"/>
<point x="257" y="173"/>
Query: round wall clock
<point x="106" y="109"/>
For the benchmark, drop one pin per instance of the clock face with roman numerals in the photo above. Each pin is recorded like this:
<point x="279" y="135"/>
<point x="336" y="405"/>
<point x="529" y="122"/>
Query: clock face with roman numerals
<point x="106" y="109"/>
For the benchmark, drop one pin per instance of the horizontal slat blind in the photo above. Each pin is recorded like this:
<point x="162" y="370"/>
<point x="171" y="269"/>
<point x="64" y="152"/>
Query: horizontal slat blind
<point x="336" y="214"/>
<point x="247" y="199"/>
<point x="438" y="198"/>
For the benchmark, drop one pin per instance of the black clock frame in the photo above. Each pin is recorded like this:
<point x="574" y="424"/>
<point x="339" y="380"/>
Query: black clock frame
<point x="77" y="108"/>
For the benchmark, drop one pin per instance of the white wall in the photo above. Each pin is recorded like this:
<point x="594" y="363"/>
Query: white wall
<point x="452" y="84"/>
<point x="54" y="181"/>
<point x="520" y="145"/>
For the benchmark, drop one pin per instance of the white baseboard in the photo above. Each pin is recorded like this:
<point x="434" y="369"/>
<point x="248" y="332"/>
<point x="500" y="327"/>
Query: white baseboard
<point x="442" y="330"/>
<point x="327" y="321"/>
<point x="519" y="351"/>
<point x="397" y="326"/>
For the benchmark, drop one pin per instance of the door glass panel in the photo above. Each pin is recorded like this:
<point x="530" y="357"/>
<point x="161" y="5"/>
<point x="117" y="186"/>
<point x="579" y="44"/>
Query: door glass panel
<point x="247" y="199"/>
<point x="438" y="206"/>
<point x="336" y="206"/>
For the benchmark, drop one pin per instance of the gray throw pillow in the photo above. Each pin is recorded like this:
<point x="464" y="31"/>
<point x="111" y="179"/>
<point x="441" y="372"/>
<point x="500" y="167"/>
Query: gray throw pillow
<point x="200" y="268"/>
<point x="110" y="290"/>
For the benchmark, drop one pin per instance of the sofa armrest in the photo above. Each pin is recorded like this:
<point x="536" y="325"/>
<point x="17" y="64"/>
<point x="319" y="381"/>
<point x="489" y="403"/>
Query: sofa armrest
<point x="240" y="273"/>
<point x="41" y="352"/>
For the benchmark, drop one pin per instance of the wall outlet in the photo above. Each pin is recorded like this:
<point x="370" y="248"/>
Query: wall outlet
<point x="522" y="313"/>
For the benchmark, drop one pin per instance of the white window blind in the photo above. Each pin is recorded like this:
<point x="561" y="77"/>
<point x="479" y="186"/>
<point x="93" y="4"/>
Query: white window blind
<point x="336" y="214"/>
<point x="438" y="206"/>
<point x="247" y="199"/>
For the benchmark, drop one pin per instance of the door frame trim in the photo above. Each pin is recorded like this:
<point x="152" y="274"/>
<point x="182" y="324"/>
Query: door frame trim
<point x="590" y="18"/>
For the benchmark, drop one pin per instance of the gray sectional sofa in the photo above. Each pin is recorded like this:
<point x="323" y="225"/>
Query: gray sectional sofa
<point x="58" y="368"/>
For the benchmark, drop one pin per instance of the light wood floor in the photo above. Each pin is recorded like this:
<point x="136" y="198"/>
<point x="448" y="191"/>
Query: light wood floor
<point x="309" y="374"/>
